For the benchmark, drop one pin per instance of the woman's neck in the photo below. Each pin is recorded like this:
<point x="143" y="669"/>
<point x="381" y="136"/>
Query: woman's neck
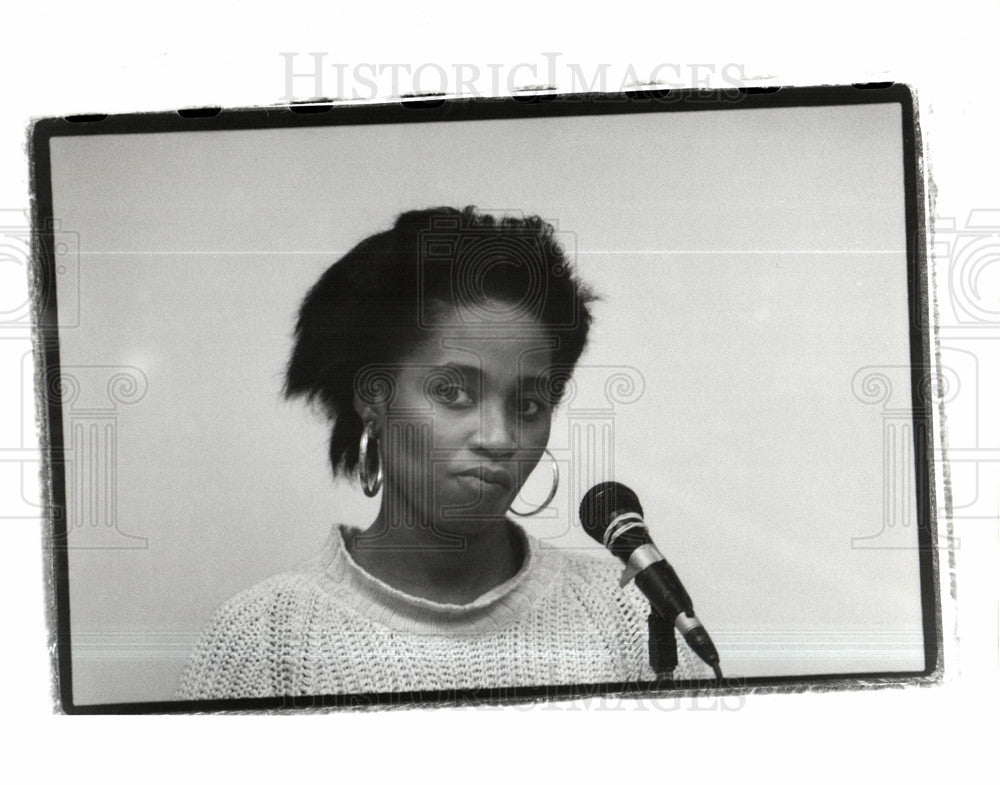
<point x="451" y="564"/>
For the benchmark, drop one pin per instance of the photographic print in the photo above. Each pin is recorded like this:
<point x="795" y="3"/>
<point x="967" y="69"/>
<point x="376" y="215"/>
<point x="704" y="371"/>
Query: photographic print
<point x="485" y="400"/>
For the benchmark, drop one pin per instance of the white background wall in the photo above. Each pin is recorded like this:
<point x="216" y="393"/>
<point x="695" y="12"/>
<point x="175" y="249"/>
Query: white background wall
<point x="62" y="59"/>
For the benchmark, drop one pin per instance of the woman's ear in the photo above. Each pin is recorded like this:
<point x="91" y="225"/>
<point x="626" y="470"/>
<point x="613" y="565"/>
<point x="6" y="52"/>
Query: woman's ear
<point x="367" y="410"/>
<point x="372" y="390"/>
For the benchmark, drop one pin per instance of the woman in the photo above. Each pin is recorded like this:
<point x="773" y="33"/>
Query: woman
<point x="439" y="349"/>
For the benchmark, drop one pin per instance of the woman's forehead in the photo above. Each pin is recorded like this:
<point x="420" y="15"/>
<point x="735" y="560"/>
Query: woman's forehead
<point x="522" y="349"/>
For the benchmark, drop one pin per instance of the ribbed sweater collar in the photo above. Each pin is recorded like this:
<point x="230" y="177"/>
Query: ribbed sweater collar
<point x="383" y="604"/>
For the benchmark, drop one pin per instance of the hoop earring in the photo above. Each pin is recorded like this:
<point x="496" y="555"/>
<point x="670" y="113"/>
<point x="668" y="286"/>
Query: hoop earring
<point x="368" y="485"/>
<point x="552" y="491"/>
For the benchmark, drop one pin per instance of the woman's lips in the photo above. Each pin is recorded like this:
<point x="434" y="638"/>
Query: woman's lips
<point x="489" y="475"/>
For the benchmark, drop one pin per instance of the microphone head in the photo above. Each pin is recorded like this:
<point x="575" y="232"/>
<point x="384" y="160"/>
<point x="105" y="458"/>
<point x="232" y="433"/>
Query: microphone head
<point x="603" y="503"/>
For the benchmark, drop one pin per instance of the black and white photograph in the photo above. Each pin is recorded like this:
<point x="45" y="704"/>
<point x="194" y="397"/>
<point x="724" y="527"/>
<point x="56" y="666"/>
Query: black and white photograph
<point x="460" y="402"/>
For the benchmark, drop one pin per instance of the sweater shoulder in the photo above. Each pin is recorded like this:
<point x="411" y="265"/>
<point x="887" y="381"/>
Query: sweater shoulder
<point x="586" y="564"/>
<point x="240" y="650"/>
<point x="278" y="590"/>
<point x="590" y="574"/>
<point x="590" y="581"/>
<point x="266" y="606"/>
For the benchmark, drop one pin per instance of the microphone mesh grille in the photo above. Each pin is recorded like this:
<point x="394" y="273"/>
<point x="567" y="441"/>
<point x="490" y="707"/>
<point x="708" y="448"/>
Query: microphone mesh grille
<point x="603" y="503"/>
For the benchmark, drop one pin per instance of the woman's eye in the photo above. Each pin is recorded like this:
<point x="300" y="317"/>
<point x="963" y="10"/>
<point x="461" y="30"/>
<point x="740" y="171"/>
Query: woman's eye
<point x="451" y="394"/>
<point x="529" y="408"/>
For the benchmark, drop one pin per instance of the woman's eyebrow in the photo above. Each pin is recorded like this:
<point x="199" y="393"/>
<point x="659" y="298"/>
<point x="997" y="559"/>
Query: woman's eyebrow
<point x="472" y="372"/>
<point x="467" y="371"/>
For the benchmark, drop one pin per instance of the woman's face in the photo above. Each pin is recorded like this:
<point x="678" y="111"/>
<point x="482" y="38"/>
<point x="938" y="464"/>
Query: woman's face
<point x="469" y="420"/>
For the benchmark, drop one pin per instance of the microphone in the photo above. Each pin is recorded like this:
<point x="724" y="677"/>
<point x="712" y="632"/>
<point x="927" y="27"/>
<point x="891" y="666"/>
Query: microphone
<point x="610" y="513"/>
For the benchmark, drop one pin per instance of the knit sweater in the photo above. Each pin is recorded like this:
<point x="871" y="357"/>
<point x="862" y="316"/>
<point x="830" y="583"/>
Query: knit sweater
<point x="336" y="629"/>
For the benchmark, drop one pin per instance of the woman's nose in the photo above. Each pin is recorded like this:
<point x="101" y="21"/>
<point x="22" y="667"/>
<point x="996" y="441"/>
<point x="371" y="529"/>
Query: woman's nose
<point x="497" y="430"/>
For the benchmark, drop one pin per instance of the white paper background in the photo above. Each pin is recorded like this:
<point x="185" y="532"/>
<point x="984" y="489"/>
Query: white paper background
<point x="111" y="57"/>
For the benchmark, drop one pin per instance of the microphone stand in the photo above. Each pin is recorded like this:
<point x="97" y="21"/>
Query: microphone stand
<point x="662" y="646"/>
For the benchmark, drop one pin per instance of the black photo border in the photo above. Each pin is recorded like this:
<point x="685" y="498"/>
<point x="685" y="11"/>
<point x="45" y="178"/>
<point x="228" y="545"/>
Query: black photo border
<point x="438" y="109"/>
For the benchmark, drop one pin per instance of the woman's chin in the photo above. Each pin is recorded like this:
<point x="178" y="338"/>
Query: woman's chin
<point x="469" y="517"/>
